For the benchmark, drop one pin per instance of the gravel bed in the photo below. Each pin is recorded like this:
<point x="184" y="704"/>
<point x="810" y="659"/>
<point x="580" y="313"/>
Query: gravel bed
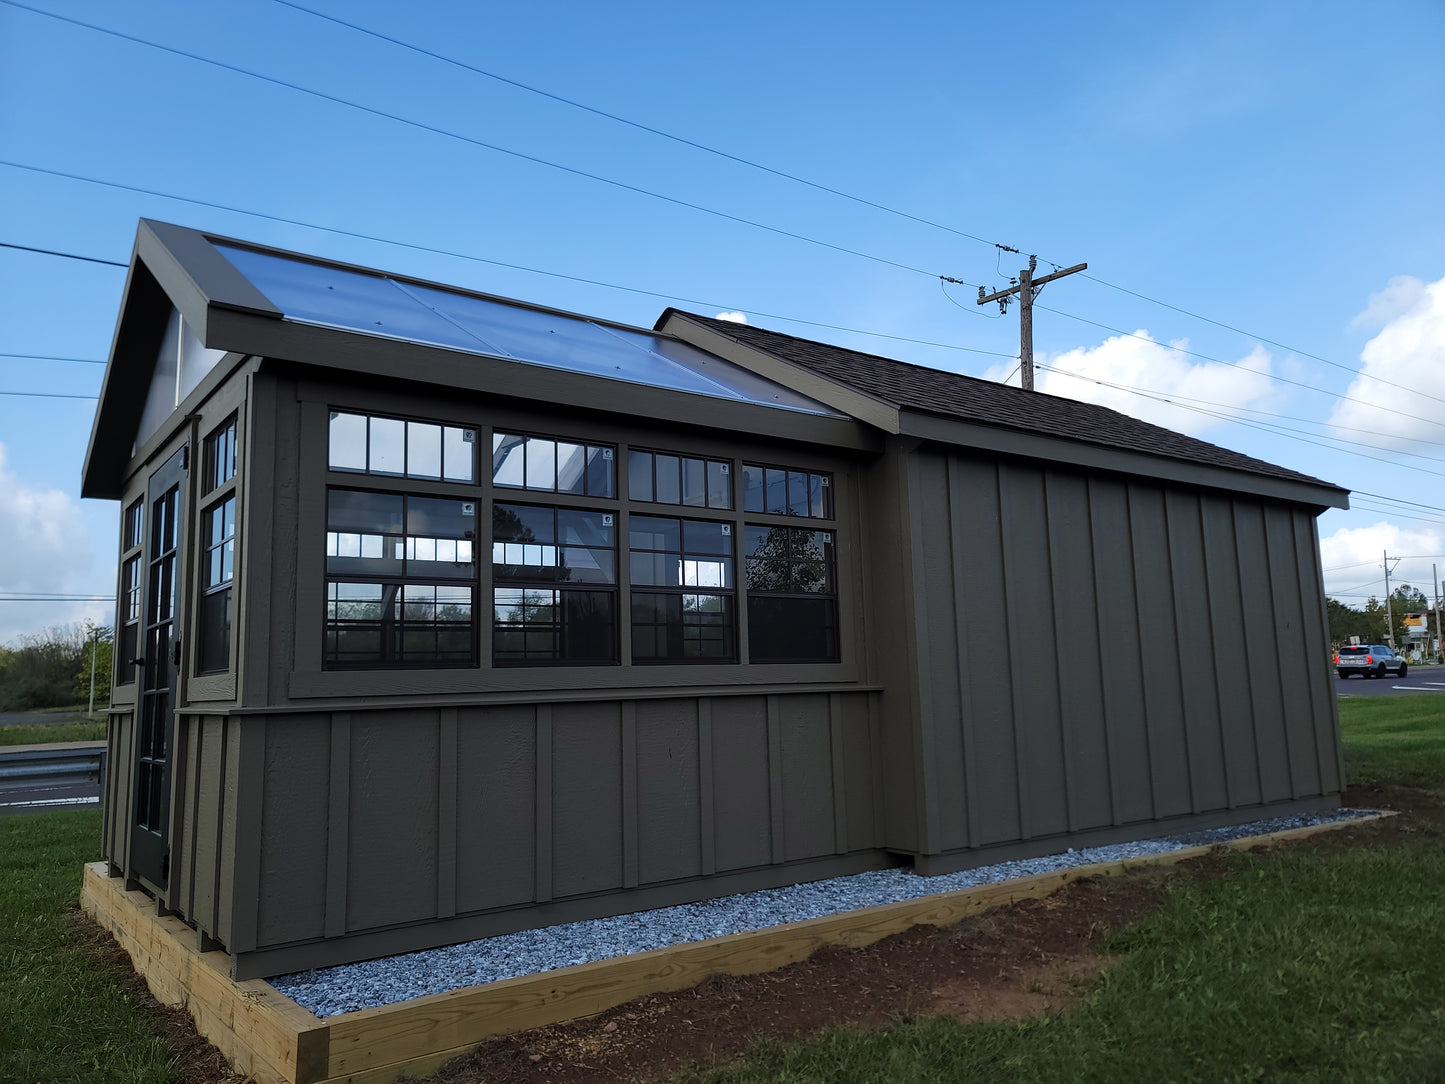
<point x="334" y="990"/>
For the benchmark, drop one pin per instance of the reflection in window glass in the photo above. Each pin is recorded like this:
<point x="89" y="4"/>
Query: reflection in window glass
<point x="682" y="601"/>
<point x="551" y="466"/>
<point x="532" y="625"/>
<point x="786" y="492"/>
<point x="347" y="441"/>
<point x="423" y="450"/>
<point x="458" y="453"/>
<point x="407" y="624"/>
<point x="792" y="598"/>
<point x="387" y="453"/>
<point x="218" y="563"/>
<point x="219" y="464"/>
<point x="671" y="479"/>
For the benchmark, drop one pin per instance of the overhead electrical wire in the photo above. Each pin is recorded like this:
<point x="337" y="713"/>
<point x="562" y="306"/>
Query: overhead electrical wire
<point x="359" y="235"/>
<point x="52" y="357"/>
<point x="48" y="395"/>
<point x="817" y="186"/>
<point x="67" y="255"/>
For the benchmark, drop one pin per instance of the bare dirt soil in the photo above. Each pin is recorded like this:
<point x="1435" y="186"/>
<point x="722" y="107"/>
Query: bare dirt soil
<point x="1030" y="958"/>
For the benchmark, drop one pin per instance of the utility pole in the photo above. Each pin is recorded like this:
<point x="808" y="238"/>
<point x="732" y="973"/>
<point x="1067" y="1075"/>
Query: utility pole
<point x="1027" y="287"/>
<point x="94" y="639"/>
<point x="1439" y="643"/>
<point x="1389" y="618"/>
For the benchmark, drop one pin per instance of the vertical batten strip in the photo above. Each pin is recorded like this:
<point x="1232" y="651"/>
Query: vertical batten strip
<point x="1111" y="766"/>
<point x="446" y="812"/>
<point x="840" y="774"/>
<point x="958" y="506"/>
<point x="707" y="825"/>
<point x="629" y="794"/>
<point x="338" y="824"/>
<point x="775" y="779"/>
<point x="544" y="803"/>
<point x="246" y="884"/>
<point x="1171" y="560"/>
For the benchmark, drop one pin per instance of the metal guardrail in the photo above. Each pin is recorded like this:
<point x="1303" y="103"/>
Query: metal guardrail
<point x="28" y="773"/>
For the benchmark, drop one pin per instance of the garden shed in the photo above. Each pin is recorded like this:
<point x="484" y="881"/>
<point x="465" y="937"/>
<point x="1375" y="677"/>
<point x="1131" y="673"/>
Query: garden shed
<point x="754" y="610"/>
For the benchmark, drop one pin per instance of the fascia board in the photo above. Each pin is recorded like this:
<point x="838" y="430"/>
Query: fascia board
<point x="353" y="353"/>
<point x="849" y="401"/>
<point x="1039" y="446"/>
<point x="197" y="278"/>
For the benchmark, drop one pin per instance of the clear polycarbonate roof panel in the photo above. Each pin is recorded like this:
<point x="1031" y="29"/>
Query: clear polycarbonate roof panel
<point x="373" y="304"/>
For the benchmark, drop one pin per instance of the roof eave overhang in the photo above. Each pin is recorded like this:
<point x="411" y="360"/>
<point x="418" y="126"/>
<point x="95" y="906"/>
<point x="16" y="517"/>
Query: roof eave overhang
<point x="855" y="404"/>
<point x="1014" y="442"/>
<point x="353" y="353"/>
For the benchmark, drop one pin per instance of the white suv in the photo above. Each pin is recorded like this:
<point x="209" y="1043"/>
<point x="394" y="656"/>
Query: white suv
<point x="1368" y="660"/>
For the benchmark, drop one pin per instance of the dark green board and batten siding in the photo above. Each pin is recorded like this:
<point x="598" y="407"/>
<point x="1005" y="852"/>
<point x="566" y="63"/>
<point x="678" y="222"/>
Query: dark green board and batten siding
<point x="1097" y="652"/>
<point x="385" y="830"/>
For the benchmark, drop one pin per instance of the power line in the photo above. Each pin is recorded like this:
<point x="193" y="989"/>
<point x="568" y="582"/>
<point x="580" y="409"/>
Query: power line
<point x="357" y="234"/>
<point x="436" y="130"/>
<point x="65" y="255"/>
<point x="815" y="185"/>
<point x="48" y="395"/>
<point x="51" y="357"/>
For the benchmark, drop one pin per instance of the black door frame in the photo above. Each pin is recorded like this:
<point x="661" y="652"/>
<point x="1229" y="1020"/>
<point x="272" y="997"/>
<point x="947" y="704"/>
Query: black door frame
<point x="155" y="719"/>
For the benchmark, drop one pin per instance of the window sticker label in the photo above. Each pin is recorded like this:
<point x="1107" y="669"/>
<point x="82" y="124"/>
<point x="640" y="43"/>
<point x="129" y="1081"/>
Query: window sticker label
<point x="727" y="528"/>
<point x="468" y="436"/>
<point x="607" y="519"/>
<point x="606" y="453"/>
<point x="825" y="480"/>
<point x="725" y="468"/>
<point x="468" y="508"/>
<point x="827" y="537"/>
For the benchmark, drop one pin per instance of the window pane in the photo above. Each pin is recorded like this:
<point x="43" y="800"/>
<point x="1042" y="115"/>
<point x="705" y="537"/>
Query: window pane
<point x="541" y="463"/>
<point x="348" y="441"/>
<point x="700" y="536"/>
<point x="363" y="530"/>
<point x="507" y="460"/>
<point x="599" y="471"/>
<point x="797" y="493"/>
<point x="639" y="476"/>
<point x="522" y="523"/>
<point x="792" y="629"/>
<point x="752" y="488"/>
<point x="586" y="528"/>
<point x="423" y="450"/>
<point x="669" y="480"/>
<point x="776" y="497"/>
<point x="655" y="533"/>
<point x="579" y="565"/>
<point x="388" y="446"/>
<point x="694" y="483"/>
<point x="571" y="468"/>
<point x="820" y="495"/>
<point x="588" y="624"/>
<point x="215" y="639"/>
<point x="656" y="569"/>
<point x="719" y="485"/>
<point x="458" y="449"/>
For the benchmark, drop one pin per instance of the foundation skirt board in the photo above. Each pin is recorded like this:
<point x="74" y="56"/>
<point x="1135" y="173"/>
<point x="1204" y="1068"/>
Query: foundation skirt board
<point x="266" y="1034"/>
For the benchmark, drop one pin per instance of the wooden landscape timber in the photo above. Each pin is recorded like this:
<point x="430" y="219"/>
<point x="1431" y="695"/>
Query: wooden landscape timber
<point x="265" y="1034"/>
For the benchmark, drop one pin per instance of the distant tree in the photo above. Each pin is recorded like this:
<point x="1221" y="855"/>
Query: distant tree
<point x="1346" y="621"/>
<point x="40" y="670"/>
<point x="1406" y="600"/>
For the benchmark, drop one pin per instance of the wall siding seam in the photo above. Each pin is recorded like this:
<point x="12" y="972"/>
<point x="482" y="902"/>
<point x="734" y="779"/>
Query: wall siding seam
<point x="1316" y="651"/>
<point x="965" y="690"/>
<point x="223" y="727"/>
<point x="338" y="824"/>
<point x="1020" y="789"/>
<point x="1071" y="804"/>
<point x="1231" y="796"/>
<point x="447" y="752"/>
<point x="543" y="848"/>
<point x="629" y="794"/>
<point x="875" y="746"/>
<point x="1270" y="559"/>
<point x="840" y="774"/>
<point x="707" y="818"/>
<point x="1149" y="755"/>
<point x="1249" y="678"/>
<point x="778" y="828"/>
<point x="1110" y="739"/>
<point x="925" y="769"/>
<point x="1185" y="715"/>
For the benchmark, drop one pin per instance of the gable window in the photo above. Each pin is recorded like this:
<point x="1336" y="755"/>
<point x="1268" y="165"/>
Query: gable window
<point x="128" y="611"/>
<point x="370" y="444"/>
<point x="787" y="491"/>
<point x="400" y="580"/>
<point x="220" y="456"/>
<point x="554" y="585"/>
<point x="792" y="595"/>
<point x="682" y="590"/>
<point x="553" y="466"/>
<point x="663" y="478"/>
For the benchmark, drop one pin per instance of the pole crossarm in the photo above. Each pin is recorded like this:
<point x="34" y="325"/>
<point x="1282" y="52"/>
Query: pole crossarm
<point x="1034" y="282"/>
<point x="1027" y="289"/>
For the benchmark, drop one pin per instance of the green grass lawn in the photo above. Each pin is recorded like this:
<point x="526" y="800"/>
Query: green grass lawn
<point x="1304" y="964"/>
<point x="26" y="734"/>
<point x="62" y="1018"/>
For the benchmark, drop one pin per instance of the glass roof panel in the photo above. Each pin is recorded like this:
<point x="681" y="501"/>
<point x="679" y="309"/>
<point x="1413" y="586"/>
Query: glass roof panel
<point x="373" y="304"/>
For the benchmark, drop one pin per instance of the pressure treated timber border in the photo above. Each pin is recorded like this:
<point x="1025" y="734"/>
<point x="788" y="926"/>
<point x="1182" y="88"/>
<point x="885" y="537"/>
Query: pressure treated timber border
<point x="266" y="1034"/>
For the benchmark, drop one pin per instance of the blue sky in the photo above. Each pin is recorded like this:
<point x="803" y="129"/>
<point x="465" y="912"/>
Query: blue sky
<point x="1272" y="167"/>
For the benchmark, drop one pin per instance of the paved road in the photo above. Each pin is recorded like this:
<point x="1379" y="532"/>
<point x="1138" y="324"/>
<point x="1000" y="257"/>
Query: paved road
<point x="1418" y="681"/>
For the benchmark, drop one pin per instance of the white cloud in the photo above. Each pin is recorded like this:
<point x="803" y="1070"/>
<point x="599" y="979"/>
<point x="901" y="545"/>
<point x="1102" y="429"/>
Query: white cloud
<point x="1353" y="560"/>
<point x="44" y="541"/>
<point x="733" y="317"/>
<point x="1408" y="351"/>
<point x="1164" y="372"/>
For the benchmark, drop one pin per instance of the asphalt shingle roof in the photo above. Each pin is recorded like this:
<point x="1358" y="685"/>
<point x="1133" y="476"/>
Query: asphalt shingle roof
<point x="953" y="395"/>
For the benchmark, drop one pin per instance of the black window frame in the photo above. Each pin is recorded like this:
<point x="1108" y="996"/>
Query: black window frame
<point x="215" y="606"/>
<point x="397" y="627"/>
<point x="705" y="464"/>
<point x="127" y="610"/>
<point x="609" y="456"/>
<point x="769" y="606"/>
<point x="648" y="594"/>
<point x="470" y="435"/>
<point x="567" y="599"/>
<point x="820" y="509"/>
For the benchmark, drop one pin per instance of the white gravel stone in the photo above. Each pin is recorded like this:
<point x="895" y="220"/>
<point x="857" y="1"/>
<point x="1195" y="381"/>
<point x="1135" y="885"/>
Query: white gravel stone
<point x="333" y="990"/>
